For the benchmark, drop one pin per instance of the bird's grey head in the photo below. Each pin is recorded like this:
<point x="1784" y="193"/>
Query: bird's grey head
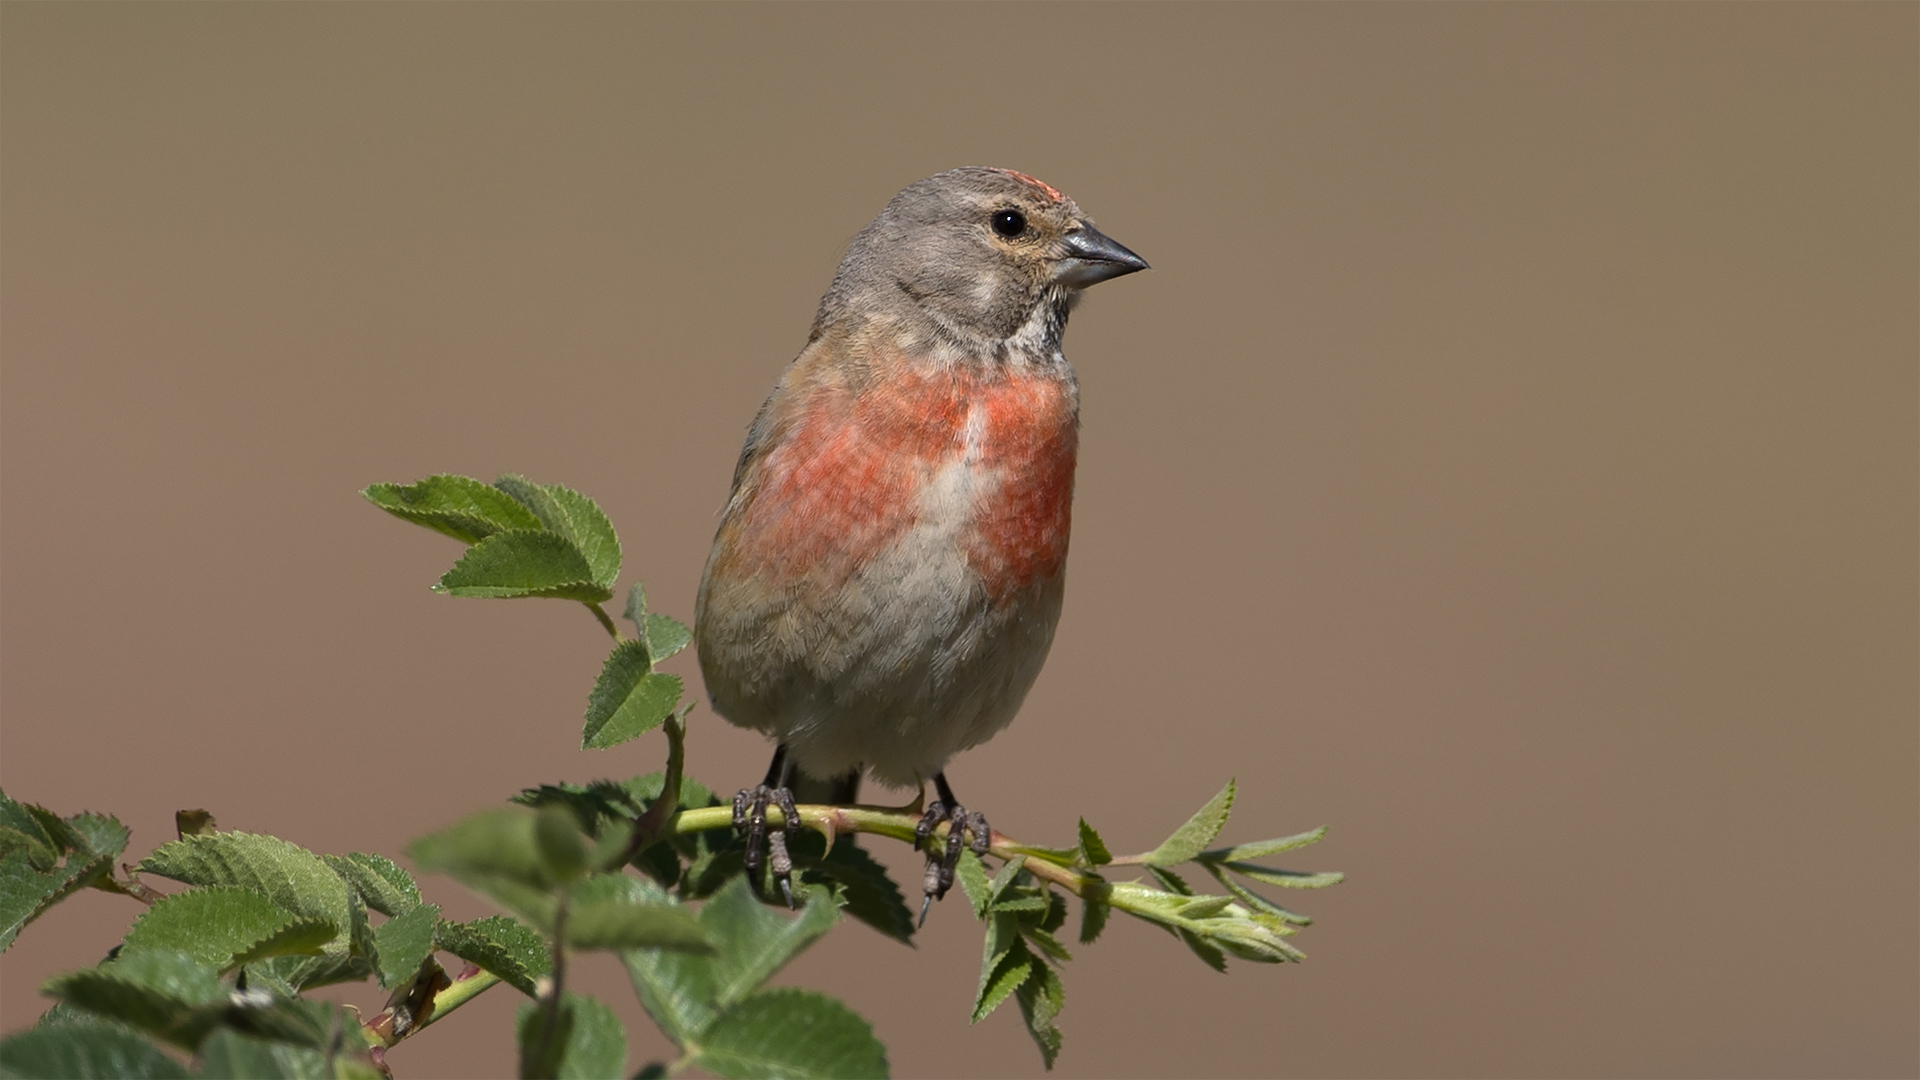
<point x="979" y="258"/>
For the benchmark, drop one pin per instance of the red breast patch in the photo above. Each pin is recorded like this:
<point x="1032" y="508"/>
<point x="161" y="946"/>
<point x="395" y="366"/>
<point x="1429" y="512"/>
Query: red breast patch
<point x="1030" y="442"/>
<point x="849" y="477"/>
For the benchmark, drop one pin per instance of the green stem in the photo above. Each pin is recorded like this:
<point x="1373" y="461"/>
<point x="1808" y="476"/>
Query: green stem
<point x="379" y="1030"/>
<point x="550" y="1009"/>
<point x="606" y="620"/>
<point x="652" y="825"/>
<point x="461" y="992"/>
<point x="833" y="820"/>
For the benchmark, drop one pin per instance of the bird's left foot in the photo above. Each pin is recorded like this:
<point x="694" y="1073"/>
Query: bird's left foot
<point x="750" y="814"/>
<point x="963" y="828"/>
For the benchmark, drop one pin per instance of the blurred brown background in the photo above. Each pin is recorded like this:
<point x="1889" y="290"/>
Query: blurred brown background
<point x="1510" y="462"/>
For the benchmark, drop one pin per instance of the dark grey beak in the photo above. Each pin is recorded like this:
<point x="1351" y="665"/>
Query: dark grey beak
<point x="1093" y="257"/>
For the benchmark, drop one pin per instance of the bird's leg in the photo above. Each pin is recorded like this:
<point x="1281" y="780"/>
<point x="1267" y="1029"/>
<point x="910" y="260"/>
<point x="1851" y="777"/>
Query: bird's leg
<point x="781" y="863"/>
<point x="750" y="814"/>
<point x="962" y="828"/>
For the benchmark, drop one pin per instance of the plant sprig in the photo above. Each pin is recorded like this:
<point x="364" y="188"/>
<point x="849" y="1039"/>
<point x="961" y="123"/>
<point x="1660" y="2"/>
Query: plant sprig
<point x="221" y="969"/>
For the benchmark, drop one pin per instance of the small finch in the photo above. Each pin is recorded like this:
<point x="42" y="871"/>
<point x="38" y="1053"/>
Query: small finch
<point x="889" y="567"/>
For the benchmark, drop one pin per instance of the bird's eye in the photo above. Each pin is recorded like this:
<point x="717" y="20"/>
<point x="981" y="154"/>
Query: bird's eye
<point x="1009" y="223"/>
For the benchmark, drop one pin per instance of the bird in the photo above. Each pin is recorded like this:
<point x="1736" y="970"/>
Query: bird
<point x="889" y="566"/>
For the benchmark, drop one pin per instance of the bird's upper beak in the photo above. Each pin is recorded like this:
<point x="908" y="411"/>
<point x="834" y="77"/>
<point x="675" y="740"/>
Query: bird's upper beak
<point x="1093" y="257"/>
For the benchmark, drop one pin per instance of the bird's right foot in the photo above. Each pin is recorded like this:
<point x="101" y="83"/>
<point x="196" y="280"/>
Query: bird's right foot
<point x="962" y="828"/>
<point x="750" y="814"/>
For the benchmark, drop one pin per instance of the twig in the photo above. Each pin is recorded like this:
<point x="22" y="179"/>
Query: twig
<point x="379" y="1031"/>
<point x="831" y="820"/>
<point x="606" y="620"/>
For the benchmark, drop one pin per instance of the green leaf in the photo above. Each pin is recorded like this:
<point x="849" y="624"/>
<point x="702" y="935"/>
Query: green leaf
<point x="316" y="1025"/>
<point x="1208" y="953"/>
<point x="574" y="516"/>
<point x="1260" y="849"/>
<point x="224" y="926"/>
<point x="675" y="988"/>
<point x="594" y="805"/>
<point x="593" y="533"/>
<point x="1024" y="902"/>
<point x="666" y="636"/>
<point x="1093" y="919"/>
<point x="21" y="830"/>
<point x="270" y="976"/>
<point x="1012" y="968"/>
<point x="615" y="912"/>
<point x="605" y="809"/>
<point x="1250" y="936"/>
<point x="384" y="886"/>
<point x="84" y="1049"/>
<point x="1093" y="851"/>
<point x="40" y="857"/>
<point x="1041" y="998"/>
<point x="500" y="946"/>
<point x="1286" y="879"/>
<point x="163" y="993"/>
<point x="289" y="875"/>
<point x="459" y="506"/>
<point x="628" y="699"/>
<point x="229" y="1055"/>
<point x="496" y="853"/>
<point x="1056" y="912"/>
<point x="973" y="879"/>
<point x="102" y="834"/>
<point x="752" y="941"/>
<point x="562" y="844"/>
<point x="335" y="964"/>
<point x="610" y="851"/>
<point x="1001" y="945"/>
<point x="1215" y="919"/>
<point x="26" y="892"/>
<point x="590" y="1044"/>
<point x="1170" y="881"/>
<point x="1010" y="873"/>
<point x="507" y="565"/>
<point x="1255" y="901"/>
<point x="1262" y="949"/>
<point x="1193" y="837"/>
<point x="1205" y="907"/>
<point x="542" y="1050"/>
<point x="791" y="1033"/>
<point x="404" y="942"/>
<point x="636" y="610"/>
<point x="62" y="1013"/>
<point x="866" y="890"/>
<point x="1047" y="943"/>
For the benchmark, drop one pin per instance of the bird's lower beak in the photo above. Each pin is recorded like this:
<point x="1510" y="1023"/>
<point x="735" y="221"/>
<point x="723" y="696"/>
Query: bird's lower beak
<point x="1092" y="257"/>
